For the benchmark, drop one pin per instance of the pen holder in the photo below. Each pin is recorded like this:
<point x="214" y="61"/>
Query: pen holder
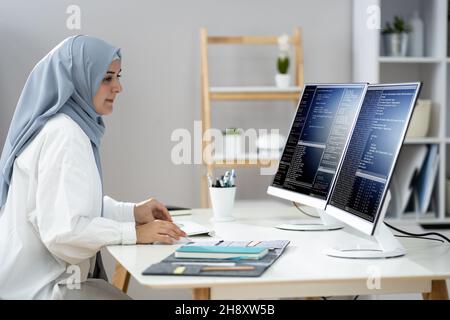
<point x="222" y="201"/>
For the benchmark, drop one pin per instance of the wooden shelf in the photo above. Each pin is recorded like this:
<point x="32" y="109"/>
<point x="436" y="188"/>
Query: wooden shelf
<point x="246" y="160"/>
<point x="261" y="163"/>
<point x="242" y="93"/>
<point x="254" y="93"/>
<point x="384" y="59"/>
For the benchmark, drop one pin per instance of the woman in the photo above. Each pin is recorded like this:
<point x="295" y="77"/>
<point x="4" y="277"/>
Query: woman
<point x="53" y="217"/>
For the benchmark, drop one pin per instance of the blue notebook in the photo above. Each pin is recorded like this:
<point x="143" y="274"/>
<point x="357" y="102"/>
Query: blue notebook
<point x="220" y="252"/>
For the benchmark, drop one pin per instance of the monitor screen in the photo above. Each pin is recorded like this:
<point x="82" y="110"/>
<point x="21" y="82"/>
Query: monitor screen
<point x="319" y="133"/>
<point x="374" y="146"/>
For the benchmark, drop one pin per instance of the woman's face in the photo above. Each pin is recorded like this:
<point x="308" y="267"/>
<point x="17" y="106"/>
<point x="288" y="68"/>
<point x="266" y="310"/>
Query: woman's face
<point x="109" y="88"/>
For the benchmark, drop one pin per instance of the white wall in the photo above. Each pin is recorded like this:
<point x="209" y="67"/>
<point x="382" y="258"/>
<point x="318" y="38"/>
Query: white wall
<point x="160" y="46"/>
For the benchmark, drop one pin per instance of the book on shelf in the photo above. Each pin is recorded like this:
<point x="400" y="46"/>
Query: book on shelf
<point x="407" y="170"/>
<point x="427" y="178"/>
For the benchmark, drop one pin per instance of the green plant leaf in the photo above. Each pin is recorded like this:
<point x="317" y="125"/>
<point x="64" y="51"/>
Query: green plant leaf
<point x="283" y="64"/>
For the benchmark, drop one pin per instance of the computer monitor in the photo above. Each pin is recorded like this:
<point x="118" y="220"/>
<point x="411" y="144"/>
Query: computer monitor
<point x="360" y="193"/>
<point x="319" y="133"/>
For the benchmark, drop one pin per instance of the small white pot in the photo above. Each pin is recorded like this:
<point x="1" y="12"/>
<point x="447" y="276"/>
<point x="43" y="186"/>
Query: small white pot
<point x="396" y="44"/>
<point x="222" y="201"/>
<point x="283" y="80"/>
<point x="233" y="146"/>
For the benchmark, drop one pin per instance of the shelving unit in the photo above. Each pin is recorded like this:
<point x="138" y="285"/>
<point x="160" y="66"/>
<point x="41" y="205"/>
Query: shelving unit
<point x="211" y="93"/>
<point x="426" y="140"/>
<point x="383" y="59"/>
<point x="254" y="93"/>
<point x="370" y="65"/>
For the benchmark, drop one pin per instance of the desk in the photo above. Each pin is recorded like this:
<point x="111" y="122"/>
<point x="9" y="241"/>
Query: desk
<point x="303" y="270"/>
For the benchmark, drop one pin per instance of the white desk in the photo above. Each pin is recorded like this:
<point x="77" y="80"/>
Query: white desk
<point x="303" y="270"/>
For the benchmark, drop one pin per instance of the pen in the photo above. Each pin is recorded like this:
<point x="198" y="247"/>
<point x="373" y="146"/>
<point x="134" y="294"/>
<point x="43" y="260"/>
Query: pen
<point x="226" y="181"/>
<point x="226" y="178"/>
<point x="210" y="180"/>
<point x="237" y="268"/>
<point x="215" y="264"/>
<point x="233" y="177"/>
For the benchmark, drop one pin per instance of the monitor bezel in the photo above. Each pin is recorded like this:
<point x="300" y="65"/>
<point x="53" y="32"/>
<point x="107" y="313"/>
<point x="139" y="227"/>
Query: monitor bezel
<point x="301" y="198"/>
<point x="353" y="220"/>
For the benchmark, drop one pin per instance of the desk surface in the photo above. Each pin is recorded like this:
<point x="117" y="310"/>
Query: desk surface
<point x="303" y="269"/>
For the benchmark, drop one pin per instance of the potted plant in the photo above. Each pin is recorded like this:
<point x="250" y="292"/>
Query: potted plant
<point x="282" y="78"/>
<point x="233" y="143"/>
<point x="396" y="37"/>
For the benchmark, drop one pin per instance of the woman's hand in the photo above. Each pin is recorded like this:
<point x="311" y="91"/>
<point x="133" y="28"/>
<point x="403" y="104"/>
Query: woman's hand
<point x="149" y="210"/>
<point x="158" y="230"/>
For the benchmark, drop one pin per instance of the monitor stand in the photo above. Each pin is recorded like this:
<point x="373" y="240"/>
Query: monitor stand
<point x="387" y="246"/>
<point x="324" y="223"/>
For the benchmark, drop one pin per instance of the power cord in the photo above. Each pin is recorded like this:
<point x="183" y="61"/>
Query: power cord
<point x="422" y="238"/>
<point x="419" y="235"/>
<point x="303" y="211"/>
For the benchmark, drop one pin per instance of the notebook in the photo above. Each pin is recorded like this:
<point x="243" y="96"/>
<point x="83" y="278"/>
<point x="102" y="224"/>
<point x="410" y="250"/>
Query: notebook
<point x="178" y="211"/>
<point x="219" y="252"/>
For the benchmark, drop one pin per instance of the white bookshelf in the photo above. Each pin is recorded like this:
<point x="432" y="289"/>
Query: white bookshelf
<point x="370" y="65"/>
<point x="427" y="140"/>
<point x="383" y="59"/>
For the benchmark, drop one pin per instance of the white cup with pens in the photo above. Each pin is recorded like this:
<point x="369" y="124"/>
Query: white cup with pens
<point x="222" y="192"/>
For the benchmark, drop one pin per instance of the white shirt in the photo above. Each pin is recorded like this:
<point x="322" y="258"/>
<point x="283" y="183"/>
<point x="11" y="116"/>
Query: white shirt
<point x="51" y="226"/>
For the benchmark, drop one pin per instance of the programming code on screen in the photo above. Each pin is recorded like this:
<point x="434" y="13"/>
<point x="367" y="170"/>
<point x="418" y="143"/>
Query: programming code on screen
<point x="317" y="139"/>
<point x="372" y="150"/>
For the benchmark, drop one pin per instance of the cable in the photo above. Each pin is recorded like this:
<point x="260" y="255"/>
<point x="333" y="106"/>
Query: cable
<point x="303" y="211"/>
<point x="419" y="235"/>
<point x="423" y="238"/>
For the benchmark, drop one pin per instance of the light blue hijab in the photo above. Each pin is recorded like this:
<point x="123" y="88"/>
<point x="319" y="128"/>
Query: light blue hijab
<point x="64" y="81"/>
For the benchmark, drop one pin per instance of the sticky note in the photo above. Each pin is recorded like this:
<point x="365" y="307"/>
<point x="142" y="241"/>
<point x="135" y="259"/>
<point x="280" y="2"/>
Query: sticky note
<point x="179" y="270"/>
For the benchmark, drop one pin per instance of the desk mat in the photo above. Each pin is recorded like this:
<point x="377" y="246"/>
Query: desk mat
<point x="173" y="266"/>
